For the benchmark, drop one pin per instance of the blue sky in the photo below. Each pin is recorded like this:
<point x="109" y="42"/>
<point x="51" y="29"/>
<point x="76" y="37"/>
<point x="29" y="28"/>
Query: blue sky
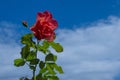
<point x="68" y="13"/>
<point x="88" y="30"/>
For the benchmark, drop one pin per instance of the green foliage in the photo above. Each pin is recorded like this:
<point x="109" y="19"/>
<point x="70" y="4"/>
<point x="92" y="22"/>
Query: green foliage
<point x="58" y="68"/>
<point x="50" y="69"/>
<point x="27" y="40"/>
<point x="53" y="78"/>
<point x="25" y="52"/>
<point x="44" y="47"/>
<point x="24" y="78"/>
<point x="29" y="55"/>
<point x="32" y="67"/>
<point x="41" y="64"/>
<point x="39" y="77"/>
<point x="43" y="70"/>
<point x="34" y="62"/>
<point x="49" y="58"/>
<point x="45" y="44"/>
<point x="19" y="62"/>
<point x="56" y="46"/>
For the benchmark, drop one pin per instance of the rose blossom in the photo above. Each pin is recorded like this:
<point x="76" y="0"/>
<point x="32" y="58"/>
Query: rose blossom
<point x="44" y="26"/>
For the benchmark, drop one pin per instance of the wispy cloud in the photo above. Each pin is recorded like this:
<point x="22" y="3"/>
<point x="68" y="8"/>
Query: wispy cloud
<point x="10" y="32"/>
<point x="90" y="53"/>
<point x="9" y="50"/>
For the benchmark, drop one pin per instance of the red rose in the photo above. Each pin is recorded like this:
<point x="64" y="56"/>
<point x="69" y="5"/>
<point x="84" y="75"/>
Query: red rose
<point x="44" y="26"/>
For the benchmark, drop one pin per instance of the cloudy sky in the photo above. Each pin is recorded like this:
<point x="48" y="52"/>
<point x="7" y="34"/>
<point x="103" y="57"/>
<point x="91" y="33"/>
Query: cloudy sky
<point x="89" y="31"/>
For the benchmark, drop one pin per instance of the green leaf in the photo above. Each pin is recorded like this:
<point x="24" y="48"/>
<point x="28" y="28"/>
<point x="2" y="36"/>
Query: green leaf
<point x="32" y="67"/>
<point x="44" y="47"/>
<point x="55" y="58"/>
<point x="43" y="70"/>
<point x="31" y="56"/>
<point x="41" y="48"/>
<point x="19" y="62"/>
<point x="45" y="78"/>
<point x="53" y="78"/>
<point x="27" y="39"/>
<point x="39" y="77"/>
<point x="58" y="68"/>
<point x="45" y="44"/>
<point x="20" y="79"/>
<point x="56" y="46"/>
<point x="50" y="69"/>
<point x="26" y="79"/>
<point x="23" y="78"/>
<point x="41" y="64"/>
<point x="49" y="58"/>
<point x="34" y="61"/>
<point x="25" y="52"/>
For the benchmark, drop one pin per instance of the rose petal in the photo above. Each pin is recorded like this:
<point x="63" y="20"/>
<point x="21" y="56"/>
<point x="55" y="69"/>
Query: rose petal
<point x="44" y="26"/>
<point x="53" y="24"/>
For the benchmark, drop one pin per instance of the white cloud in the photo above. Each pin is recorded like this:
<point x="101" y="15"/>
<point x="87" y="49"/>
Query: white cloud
<point x="10" y="32"/>
<point x="90" y="53"/>
<point x="9" y="50"/>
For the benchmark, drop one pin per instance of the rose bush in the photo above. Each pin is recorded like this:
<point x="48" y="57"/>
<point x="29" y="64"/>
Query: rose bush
<point x="43" y="31"/>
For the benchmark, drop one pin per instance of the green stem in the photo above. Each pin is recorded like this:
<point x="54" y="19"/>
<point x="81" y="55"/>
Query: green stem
<point x="34" y="77"/>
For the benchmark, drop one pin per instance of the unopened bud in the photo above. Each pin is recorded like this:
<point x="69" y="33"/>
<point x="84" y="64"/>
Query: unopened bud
<point x="25" y="24"/>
